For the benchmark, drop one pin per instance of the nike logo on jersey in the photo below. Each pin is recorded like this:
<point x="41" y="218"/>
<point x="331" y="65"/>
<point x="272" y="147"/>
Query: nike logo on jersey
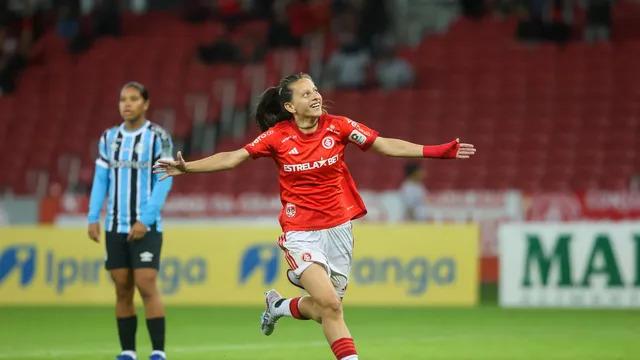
<point x="294" y="151"/>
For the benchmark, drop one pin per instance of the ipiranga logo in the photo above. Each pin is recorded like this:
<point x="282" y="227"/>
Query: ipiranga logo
<point x="18" y="258"/>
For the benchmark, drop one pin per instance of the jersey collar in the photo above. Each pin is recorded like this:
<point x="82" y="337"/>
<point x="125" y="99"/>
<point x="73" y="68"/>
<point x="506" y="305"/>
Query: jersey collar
<point x="134" y="133"/>
<point x="321" y="122"/>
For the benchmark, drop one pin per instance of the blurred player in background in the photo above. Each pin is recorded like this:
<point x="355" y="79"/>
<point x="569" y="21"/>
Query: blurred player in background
<point x="413" y="193"/>
<point x="133" y="224"/>
<point x="319" y="197"/>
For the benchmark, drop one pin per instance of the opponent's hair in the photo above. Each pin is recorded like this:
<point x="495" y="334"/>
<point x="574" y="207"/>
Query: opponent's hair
<point x="138" y="86"/>
<point x="270" y="110"/>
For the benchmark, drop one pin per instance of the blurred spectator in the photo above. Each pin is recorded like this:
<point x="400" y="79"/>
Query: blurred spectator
<point x="598" y="27"/>
<point x="473" y="8"/>
<point x="222" y="50"/>
<point x="68" y="25"/>
<point x="15" y="44"/>
<point x="280" y="34"/>
<point x="348" y="66"/>
<point x="374" y="21"/>
<point x="413" y="193"/>
<point x="106" y="18"/>
<point x="345" y="22"/>
<point x="542" y="25"/>
<point x="392" y="72"/>
<point x="196" y="10"/>
<point x="634" y="183"/>
<point x="308" y="16"/>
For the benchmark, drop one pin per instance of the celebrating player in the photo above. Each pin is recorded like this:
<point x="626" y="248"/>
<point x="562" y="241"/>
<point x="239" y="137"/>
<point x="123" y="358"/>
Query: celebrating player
<point x="133" y="224"/>
<point x="319" y="197"/>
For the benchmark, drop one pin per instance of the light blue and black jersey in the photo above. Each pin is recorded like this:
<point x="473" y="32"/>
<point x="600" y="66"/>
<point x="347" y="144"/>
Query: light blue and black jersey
<point x="124" y="170"/>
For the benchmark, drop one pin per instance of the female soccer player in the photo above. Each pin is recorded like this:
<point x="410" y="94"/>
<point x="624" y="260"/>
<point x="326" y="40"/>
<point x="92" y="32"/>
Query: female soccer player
<point x="319" y="197"/>
<point x="133" y="225"/>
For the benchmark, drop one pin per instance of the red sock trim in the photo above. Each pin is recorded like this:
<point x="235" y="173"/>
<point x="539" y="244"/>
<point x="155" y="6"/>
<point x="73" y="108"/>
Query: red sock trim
<point x="295" y="311"/>
<point x="343" y="347"/>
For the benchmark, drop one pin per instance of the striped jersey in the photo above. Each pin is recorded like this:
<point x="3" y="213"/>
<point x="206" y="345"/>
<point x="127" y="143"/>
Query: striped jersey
<point x="125" y="162"/>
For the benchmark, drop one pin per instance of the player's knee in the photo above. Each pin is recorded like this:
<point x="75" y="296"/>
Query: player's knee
<point x="146" y="288"/>
<point x="331" y="307"/>
<point x="124" y="293"/>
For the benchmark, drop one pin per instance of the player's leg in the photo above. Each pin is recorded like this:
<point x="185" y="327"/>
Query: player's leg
<point x="120" y="270"/>
<point x="325" y="304"/>
<point x="301" y="249"/>
<point x="146" y="262"/>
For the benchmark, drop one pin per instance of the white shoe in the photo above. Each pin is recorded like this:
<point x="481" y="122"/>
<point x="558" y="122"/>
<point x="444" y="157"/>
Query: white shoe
<point x="269" y="316"/>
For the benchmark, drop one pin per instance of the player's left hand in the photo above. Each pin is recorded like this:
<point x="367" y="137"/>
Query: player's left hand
<point x="138" y="230"/>
<point x="465" y="150"/>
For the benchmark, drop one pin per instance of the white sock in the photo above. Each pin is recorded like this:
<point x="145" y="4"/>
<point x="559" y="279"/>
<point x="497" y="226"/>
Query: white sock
<point x="129" y="353"/>
<point x="350" y="357"/>
<point x="283" y="308"/>
<point x="158" y="352"/>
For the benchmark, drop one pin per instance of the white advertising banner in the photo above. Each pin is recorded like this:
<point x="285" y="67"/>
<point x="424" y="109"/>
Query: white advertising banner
<point x="570" y="265"/>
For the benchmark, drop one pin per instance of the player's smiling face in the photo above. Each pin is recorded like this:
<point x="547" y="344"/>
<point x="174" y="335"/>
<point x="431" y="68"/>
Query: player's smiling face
<point x="306" y="101"/>
<point x="132" y="104"/>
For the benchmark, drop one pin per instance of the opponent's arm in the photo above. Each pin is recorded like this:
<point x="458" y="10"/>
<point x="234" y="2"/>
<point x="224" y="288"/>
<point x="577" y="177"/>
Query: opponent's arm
<point x="400" y="148"/>
<point x="216" y="162"/>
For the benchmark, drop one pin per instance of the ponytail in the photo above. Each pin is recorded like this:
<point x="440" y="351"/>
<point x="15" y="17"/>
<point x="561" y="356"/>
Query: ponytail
<point x="270" y="110"/>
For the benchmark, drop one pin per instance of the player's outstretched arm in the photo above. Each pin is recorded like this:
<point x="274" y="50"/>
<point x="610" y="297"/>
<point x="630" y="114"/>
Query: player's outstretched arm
<point x="400" y="148"/>
<point x="216" y="162"/>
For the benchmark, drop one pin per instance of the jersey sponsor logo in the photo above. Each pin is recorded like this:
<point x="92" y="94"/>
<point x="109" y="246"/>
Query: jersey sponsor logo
<point x="130" y="164"/>
<point x="290" y="210"/>
<point x="311" y="165"/>
<point x="328" y="142"/>
<point x="290" y="137"/>
<point x="19" y="258"/>
<point x="306" y="257"/>
<point x="294" y="151"/>
<point x="333" y="129"/>
<point x="146" y="257"/>
<point x="357" y="137"/>
<point x="353" y="123"/>
<point x="261" y="137"/>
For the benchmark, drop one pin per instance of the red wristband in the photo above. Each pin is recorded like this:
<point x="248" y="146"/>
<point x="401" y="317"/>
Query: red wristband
<point x="443" y="151"/>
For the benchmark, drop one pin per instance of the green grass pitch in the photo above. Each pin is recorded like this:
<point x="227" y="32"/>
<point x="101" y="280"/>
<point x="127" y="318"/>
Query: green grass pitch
<point x="486" y="332"/>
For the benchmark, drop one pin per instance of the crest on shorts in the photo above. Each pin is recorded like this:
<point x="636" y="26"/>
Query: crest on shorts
<point x="306" y="256"/>
<point x="290" y="210"/>
<point x="146" y="257"/>
<point x="328" y="142"/>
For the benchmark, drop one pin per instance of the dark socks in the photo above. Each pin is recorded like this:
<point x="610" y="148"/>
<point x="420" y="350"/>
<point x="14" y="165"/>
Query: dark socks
<point x="156" y="332"/>
<point x="127" y="332"/>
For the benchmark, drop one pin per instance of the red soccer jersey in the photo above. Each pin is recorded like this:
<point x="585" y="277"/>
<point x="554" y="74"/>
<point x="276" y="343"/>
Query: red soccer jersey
<point x="316" y="188"/>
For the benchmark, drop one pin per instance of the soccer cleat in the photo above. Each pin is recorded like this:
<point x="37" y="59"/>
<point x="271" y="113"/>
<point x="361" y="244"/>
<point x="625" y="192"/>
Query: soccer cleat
<point x="124" y="357"/>
<point x="158" y="355"/>
<point x="269" y="316"/>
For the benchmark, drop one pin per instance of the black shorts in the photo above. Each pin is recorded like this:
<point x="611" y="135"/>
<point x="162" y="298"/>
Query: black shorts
<point x="134" y="254"/>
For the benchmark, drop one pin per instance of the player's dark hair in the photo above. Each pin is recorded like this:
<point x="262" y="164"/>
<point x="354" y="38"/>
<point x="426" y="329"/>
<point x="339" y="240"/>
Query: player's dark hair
<point x="141" y="89"/>
<point x="270" y="109"/>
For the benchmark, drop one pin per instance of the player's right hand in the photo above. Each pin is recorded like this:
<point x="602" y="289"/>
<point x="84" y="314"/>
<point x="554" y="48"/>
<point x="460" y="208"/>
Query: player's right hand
<point x="94" y="232"/>
<point x="170" y="167"/>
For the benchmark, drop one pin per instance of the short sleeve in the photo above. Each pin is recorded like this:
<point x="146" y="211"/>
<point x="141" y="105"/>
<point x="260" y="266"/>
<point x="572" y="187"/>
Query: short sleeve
<point x="163" y="145"/>
<point x="262" y="146"/>
<point x="356" y="133"/>
<point x="103" y="156"/>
